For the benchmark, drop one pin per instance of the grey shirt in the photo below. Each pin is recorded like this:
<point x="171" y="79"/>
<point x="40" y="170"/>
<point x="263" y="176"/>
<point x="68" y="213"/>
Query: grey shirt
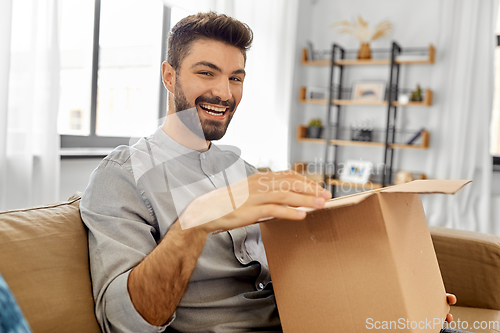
<point x="133" y="198"/>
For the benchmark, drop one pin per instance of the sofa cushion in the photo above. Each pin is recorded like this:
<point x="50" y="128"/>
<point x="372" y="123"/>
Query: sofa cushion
<point x="44" y="260"/>
<point x="475" y="319"/>
<point x="470" y="265"/>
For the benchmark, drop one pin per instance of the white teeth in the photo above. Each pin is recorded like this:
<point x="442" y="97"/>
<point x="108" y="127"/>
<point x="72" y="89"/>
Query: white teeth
<point x="214" y="108"/>
<point x="213" y="113"/>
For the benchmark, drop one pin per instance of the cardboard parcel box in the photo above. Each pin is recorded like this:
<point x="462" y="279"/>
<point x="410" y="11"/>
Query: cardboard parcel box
<point x="363" y="262"/>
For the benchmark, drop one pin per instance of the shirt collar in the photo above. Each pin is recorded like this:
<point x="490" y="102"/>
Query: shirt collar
<point x="163" y="139"/>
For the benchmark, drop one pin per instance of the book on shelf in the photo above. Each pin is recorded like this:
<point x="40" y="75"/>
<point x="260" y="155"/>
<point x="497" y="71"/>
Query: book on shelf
<point x="415" y="137"/>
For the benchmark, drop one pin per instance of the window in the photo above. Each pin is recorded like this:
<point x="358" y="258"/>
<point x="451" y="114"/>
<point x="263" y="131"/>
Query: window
<point x="495" y="117"/>
<point x="111" y="54"/>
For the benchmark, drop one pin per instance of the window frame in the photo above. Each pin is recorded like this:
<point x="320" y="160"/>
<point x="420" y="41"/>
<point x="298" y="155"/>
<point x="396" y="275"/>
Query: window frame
<point x="93" y="140"/>
<point x="496" y="159"/>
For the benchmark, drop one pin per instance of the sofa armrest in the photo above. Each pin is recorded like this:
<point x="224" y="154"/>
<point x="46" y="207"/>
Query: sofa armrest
<point x="470" y="266"/>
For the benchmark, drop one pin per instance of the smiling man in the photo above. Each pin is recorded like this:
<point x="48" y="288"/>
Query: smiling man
<point x="173" y="238"/>
<point x="216" y="88"/>
<point x="213" y="73"/>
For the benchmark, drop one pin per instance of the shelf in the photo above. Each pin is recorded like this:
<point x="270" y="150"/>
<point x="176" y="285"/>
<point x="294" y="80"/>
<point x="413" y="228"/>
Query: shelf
<point x="366" y="186"/>
<point x="302" y="99"/>
<point x="355" y="62"/>
<point x="360" y="102"/>
<point x="364" y="62"/>
<point x="301" y="136"/>
<point x="424" y="145"/>
<point x="305" y="62"/>
<point x="356" y="143"/>
<point x="302" y="130"/>
<point x="426" y="102"/>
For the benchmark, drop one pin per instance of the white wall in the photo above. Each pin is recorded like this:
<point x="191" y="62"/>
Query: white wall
<point x="75" y="174"/>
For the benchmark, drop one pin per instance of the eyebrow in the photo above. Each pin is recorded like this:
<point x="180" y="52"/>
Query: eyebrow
<point x="217" y="68"/>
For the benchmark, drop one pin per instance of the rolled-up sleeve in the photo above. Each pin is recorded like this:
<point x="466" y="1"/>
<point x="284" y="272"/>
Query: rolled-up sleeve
<point x="123" y="230"/>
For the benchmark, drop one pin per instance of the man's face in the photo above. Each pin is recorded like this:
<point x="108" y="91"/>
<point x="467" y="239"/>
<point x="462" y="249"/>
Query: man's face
<point x="210" y="78"/>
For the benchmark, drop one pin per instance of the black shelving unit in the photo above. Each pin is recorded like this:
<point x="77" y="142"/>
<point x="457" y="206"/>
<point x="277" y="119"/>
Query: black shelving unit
<point x="338" y="54"/>
<point x="392" y="95"/>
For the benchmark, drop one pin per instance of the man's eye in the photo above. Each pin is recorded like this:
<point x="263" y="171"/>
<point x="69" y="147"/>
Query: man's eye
<point x="205" y="73"/>
<point x="236" y="79"/>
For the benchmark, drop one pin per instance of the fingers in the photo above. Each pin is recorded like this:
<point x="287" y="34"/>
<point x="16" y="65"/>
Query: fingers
<point x="282" y="212"/>
<point x="235" y="220"/>
<point x="275" y="211"/>
<point x="292" y="199"/>
<point x="452" y="299"/>
<point x="308" y="186"/>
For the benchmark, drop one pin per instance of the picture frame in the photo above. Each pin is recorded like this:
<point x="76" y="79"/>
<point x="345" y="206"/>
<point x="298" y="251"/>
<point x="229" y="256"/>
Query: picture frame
<point x="358" y="172"/>
<point x="368" y="91"/>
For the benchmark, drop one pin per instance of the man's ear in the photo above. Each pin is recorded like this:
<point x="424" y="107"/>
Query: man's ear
<point x="168" y="75"/>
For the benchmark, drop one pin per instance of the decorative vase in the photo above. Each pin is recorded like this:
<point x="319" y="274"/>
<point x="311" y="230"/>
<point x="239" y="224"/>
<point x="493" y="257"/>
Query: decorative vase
<point x="364" y="51"/>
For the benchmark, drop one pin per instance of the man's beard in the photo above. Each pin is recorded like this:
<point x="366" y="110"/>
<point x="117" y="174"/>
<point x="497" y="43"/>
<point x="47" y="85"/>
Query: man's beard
<point x="206" y="129"/>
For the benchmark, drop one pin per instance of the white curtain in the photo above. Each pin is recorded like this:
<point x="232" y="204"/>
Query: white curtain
<point x="29" y="99"/>
<point x="464" y="77"/>
<point x="260" y="126"/>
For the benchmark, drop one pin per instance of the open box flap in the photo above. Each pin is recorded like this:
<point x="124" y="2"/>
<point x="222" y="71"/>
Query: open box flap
<point x="417" y="186"/>
<point x="428" y="187"/>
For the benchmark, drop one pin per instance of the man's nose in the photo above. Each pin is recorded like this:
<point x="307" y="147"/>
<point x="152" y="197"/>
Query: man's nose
<point x="222" y="89"/>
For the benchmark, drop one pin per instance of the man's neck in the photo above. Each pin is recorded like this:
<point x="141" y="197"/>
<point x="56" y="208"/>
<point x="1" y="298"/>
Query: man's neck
<point x="178" y="132"/>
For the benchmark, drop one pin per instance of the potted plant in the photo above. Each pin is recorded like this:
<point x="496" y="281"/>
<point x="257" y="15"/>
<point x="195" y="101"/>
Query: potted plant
<point x="314" y="129"/>
<point x="364" y="34"/>
<point x="416" y="96"/>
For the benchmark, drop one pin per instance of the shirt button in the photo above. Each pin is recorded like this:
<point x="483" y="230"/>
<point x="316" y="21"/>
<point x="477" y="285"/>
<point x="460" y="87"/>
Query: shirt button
<point x="203" y="156"/>
<point x="212" y="176"/>
<point x="261" y="286"/>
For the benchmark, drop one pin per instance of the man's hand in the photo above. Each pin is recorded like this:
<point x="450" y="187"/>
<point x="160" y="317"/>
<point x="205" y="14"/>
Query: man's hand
<point x="157" y="284"/>
<point x="261" y="195"/>
<point x="452" y="299"/>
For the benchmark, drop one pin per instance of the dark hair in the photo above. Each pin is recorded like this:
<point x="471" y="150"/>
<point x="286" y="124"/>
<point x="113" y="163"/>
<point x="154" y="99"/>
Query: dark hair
<point x="209" y="25"/>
